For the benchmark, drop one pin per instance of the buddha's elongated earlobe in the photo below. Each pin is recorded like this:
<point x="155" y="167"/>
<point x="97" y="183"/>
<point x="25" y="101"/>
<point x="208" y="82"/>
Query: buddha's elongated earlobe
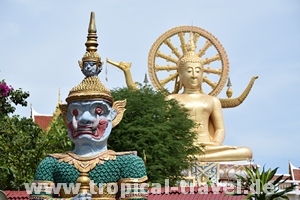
<point x="180" y="85"/>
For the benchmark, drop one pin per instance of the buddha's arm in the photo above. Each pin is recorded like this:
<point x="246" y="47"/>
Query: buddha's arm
<point x="218" y="122"/>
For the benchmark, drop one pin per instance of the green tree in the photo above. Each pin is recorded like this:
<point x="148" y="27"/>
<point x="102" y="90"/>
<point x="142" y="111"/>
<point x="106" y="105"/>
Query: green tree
<point x="23" y="145"/>
<point x="56" y="140"/>
<point x="20" y="151"/>
<point x="262" y="186"/>
<point x="19" y="139"/>
<point x="159" y="130"/>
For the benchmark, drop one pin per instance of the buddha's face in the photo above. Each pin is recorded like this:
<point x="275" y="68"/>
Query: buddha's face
<point x="90" y="120"/>
<point x="191" y="75"/>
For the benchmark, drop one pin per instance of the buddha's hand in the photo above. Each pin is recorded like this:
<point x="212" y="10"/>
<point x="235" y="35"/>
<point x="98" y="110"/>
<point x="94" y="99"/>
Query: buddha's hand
<point x="82" y="196"/>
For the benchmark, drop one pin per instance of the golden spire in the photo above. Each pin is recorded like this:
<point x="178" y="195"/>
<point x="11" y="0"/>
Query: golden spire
<point x="91" y="87"/>
<point x="91" y="44"/>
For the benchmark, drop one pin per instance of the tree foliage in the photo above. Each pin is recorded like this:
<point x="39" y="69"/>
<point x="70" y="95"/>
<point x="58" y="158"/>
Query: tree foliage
<point x="262" y="185"/>
<point x="20" y="151"/>
<point x="9" y="98"/>
<point x="19" y="138"/>
<point x="22" y="142"/>
<point x="158" y="130"/>
<point x="56" y="139"/>
<point x="23" y="145"/>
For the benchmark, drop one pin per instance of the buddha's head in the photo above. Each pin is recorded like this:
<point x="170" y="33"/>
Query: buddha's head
<point x="190" y="67"/>
<point x="89" y="113"/>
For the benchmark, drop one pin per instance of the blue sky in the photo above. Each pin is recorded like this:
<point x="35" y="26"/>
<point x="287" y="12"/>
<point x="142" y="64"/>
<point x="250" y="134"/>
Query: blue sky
<point x="41" y="42"/>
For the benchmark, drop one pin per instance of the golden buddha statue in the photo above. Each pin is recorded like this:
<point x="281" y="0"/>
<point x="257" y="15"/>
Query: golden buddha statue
<point x="205" y="110"/>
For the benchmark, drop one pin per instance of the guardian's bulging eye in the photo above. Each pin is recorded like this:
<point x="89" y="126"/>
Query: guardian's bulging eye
<point x="75" y="112"/>
<point x="98" y="111"/>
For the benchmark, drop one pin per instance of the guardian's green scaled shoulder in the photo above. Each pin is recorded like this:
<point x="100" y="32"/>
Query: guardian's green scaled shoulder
<point x="45" y="169"/>
<point x="133" y="167"/>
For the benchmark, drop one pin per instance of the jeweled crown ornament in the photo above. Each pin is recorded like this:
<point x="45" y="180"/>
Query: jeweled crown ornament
<point x="190" y="54"/>
<point x="91" y="87"/>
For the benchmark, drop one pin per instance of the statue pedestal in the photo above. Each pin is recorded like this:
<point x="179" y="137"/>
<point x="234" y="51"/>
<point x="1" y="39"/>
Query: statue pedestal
<point x="220" y="173"/>
<point x="202" y="173"/>
<point x="227" y="170"/>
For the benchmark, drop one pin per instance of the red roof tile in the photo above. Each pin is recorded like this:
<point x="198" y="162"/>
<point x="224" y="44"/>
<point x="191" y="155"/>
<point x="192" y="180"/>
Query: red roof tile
<point x="16" y="195"/>
<point x="296" y="173"/>
<point x="165" y="194"/>
<point x="43" y="121"/>
<point x="285" y="176"/>
<point x="190" y="193"/>
<point x="209" y="196"/>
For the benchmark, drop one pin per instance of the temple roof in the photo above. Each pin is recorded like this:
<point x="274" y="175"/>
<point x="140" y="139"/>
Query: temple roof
<point x="294" y="171"/>
<point x="43" y="120"/>
<point x="173" y="194"/>
<point x="16" y="195"/>
<point x="191" y="193"/>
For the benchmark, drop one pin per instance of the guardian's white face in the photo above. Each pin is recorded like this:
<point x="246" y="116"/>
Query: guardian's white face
<point x="90" y="120"/>
<point x="191" y="75"/>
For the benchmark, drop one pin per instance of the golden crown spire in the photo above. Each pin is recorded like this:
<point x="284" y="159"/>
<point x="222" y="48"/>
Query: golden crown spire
<point x="91" y="44"/>
<point x="189" y="55"/>
<point x="91" y="87"/>
<point x="191" y="44"/>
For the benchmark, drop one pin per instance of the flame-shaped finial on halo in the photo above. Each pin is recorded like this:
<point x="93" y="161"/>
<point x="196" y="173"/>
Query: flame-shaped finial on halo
<point x="189" y="55"/>
<point x="191" y="44"/>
